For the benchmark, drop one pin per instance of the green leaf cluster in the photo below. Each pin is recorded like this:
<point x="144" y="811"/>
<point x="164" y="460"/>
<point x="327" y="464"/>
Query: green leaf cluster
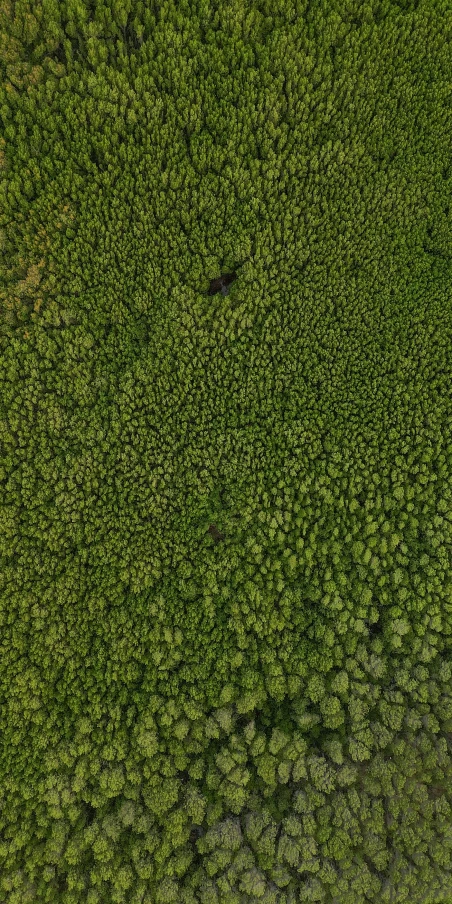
<point x="225" y="584"/>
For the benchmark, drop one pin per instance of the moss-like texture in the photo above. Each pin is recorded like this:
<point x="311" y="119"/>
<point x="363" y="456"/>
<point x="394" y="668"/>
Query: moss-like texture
<point x="226" y="587"/>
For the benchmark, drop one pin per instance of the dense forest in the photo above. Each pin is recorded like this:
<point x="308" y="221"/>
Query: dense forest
<point x="226" y="452"/>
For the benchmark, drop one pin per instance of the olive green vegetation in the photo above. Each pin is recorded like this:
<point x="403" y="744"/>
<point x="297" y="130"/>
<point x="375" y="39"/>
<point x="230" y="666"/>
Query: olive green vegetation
<point x="226" y="584"/>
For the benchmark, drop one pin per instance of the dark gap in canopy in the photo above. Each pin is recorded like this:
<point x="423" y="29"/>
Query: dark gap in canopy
<point x="221" y="283"/>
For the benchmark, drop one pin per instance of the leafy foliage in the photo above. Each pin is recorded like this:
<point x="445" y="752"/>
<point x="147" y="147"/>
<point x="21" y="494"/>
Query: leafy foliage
<point x="226" y="596"/>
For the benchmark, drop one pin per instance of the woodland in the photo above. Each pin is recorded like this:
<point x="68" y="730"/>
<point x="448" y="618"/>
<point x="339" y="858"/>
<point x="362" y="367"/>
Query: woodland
<point x="226" y="452"/>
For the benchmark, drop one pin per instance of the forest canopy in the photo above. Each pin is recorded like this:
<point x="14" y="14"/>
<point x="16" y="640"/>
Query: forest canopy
<point x="226" y="452"/>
